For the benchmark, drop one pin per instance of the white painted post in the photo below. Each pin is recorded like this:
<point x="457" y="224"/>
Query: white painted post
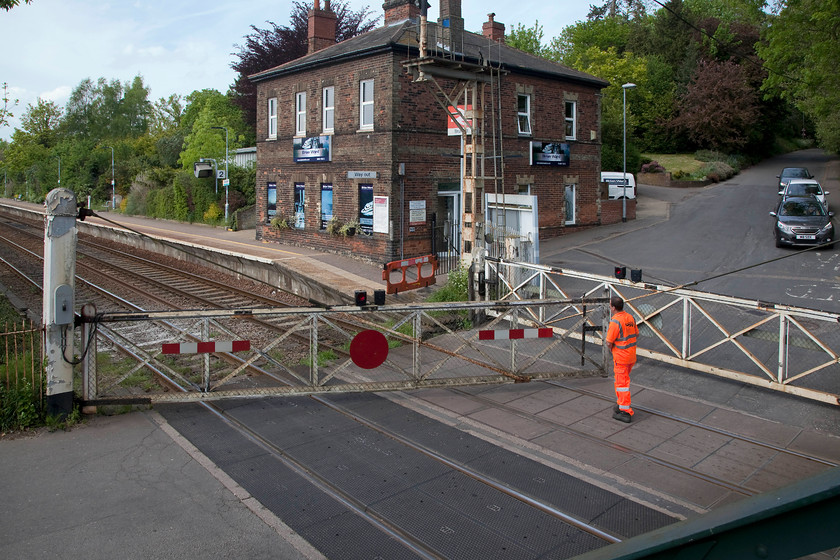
<point x="59" y="296"/>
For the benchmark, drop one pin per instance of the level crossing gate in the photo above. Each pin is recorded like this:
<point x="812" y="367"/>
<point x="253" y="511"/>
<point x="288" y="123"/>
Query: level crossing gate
<point x="784" y="348"/>
<point x="205" y="355"/>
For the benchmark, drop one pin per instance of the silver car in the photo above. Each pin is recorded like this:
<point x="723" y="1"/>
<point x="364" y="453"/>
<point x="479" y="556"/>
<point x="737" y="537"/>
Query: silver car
<point x="804" y="187"/>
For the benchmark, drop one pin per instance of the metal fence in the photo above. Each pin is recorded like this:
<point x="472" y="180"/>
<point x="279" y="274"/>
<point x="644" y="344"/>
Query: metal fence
<point x="784" y="348"/>
<point x="343" y="349"/>
<point x="446" y="244"/>
<point x="20" y="357"/>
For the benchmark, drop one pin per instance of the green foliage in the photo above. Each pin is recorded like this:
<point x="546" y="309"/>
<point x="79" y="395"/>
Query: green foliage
<point x="213" y="213"/>
<point x="279" y="223"/>
<point x="5" y="111"/>
<point x="9" y="4"/>
<point x="207" y="109"/>
<point x="324" y="358"/>
<point x="19" y="407"/>
<point x="55" y="423"/>
<point x="717" y="171"/>
<point x="800" y="49"/>
<point x="456" y="287"/>
<point x="334" y="226"/>
<point x="603" y="34"/>
<point x="528" y="39"/>
<point x="20" y="401"/>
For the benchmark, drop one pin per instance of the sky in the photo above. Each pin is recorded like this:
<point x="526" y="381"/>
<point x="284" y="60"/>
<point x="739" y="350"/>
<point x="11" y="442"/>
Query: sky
<point x="179" y="46"/>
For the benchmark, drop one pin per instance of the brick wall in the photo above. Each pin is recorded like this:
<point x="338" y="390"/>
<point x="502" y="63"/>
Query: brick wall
<point x="410" y="128"/>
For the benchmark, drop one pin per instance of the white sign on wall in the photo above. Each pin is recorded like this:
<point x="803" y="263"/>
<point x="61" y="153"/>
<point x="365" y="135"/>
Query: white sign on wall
<point x="380" y="214"/>
<point x="416" y="212"/>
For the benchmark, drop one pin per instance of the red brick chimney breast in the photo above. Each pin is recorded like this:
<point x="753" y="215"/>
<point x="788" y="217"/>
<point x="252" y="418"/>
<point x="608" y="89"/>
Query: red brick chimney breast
<point x="401" y="10"/>
<point x="493" y="29"/>
<point x="321" y="28"/>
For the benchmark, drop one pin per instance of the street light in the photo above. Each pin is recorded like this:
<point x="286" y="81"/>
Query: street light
<point x="226" y="181"/>
<point x="624" y="89"/>
<point x="59" y="171"/>
<point x="113" y="184"/>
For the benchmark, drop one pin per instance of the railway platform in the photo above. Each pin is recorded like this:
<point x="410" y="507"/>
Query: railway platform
<point x="696" y="444"/>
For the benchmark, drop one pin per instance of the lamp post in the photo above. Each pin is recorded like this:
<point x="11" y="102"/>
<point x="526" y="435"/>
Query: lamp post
<point x="113" y="183"/>
<point x="226" y="181"/>
<point x="59" y="171"/>
<point x="624" y="89"/>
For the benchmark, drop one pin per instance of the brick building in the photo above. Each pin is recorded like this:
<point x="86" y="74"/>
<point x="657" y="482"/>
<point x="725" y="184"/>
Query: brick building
<point x="347" y="134"/>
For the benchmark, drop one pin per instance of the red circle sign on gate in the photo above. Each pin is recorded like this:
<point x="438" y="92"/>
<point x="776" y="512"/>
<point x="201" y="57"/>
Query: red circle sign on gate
<point x="369" y="349"/>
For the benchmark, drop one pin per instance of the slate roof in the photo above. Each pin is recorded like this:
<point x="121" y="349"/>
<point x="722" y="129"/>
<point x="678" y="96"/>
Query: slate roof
<point x="402" y="37"/>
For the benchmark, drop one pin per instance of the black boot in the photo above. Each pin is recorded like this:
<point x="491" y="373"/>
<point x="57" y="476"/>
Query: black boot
<point x="622" y="416"/>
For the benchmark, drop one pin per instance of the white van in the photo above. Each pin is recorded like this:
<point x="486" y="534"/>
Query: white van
<point x="615" y="182"/>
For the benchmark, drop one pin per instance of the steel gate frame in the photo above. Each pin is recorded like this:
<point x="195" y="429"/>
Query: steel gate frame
<point x="785" y="328"/>
<point x="439" y="356"/>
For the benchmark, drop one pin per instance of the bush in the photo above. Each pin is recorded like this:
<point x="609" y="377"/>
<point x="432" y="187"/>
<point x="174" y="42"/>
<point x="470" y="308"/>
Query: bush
<point x="652" y="167"/>
<point x="456" y="287"/>
<point x="213" y="213"/>
<point x="717" y="171"/>
<point x="18" y="407"/>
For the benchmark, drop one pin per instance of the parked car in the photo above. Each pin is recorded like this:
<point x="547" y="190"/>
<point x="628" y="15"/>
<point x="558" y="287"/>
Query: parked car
<point x="802" y="220"/>
<point x="805" y="187"/>
<point x="789" y="173"/>
<point x="615" y="183"/>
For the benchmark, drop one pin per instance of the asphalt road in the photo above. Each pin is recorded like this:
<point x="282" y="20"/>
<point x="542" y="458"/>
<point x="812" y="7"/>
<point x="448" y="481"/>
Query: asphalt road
<point x="721" y="236"/>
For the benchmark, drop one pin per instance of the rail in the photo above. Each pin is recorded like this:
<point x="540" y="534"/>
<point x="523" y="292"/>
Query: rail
<point x="784" y="348"/>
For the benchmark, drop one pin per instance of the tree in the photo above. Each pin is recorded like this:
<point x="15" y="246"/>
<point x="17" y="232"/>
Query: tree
<point x="5" y="111"/>
<point x="718" y="108"/>
<point x="617" y="70"/>
<point x="800" y="54"/>
<point x="574" y="40"/>
<point x="267" y="48"/>
<point x="41" y="121"/>
<point x="528" y="39"/>
<point x="9" y="4"/>
<point x="206" y="109"/>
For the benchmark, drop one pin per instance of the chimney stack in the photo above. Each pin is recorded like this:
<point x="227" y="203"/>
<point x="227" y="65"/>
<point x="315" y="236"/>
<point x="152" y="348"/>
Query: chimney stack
<point x="452" y="24"/>
<point x="401" y="10"/>
<point x="493" y="29"/>
<point x="321" y="28"/>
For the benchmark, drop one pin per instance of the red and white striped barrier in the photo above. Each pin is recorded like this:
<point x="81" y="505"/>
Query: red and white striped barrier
<point x="515" y="334"/>
<point x="207" y="347"/>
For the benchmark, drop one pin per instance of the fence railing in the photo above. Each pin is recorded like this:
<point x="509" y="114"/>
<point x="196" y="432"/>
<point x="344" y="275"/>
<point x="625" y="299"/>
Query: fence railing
<point x="21" y="357"/>
<point x="343" y="349"/>
<point x="784" y="348"/>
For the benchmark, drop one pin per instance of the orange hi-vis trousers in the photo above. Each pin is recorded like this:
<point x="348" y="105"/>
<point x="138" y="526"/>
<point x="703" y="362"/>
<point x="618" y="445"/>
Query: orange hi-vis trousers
<point x="622" y="386"/>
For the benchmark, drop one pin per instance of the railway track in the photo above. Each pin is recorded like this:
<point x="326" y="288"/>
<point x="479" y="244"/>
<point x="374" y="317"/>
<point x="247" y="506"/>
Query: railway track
<point x="512" y="486"/>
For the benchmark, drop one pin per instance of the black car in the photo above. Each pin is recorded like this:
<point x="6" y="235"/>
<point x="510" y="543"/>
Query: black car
<point x="802" y="220"/>
<point x="789" y="173"/>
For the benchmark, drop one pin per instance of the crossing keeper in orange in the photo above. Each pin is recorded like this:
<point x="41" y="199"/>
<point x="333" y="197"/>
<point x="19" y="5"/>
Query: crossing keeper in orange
<point x="621" y="340"/>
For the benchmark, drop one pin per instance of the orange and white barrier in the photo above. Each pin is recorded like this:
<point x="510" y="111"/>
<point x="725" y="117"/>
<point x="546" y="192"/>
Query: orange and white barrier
<point x="400" y="269"/>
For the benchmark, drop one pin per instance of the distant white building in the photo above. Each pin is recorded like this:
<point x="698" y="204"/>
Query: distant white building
<point x="245" y="157"/>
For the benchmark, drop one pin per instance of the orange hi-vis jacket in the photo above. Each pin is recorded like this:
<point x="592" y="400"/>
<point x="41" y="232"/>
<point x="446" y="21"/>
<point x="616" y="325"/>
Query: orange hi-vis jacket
<point x="623" y="332"/>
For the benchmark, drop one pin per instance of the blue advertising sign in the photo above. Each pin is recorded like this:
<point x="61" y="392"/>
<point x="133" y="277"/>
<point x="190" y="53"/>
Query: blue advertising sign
<point x="311" y="149"/>
<point x="271" y="191"/>
<point x="550" y="153"/>
<point x="366" y="208"/>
